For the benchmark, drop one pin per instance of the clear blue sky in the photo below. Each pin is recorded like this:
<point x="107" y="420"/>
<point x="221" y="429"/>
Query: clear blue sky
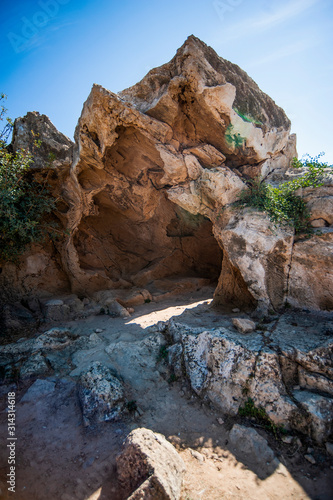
<point x="52" y="51"/>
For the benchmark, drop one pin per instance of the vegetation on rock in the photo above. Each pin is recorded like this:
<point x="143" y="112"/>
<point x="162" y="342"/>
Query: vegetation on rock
<point x="260" y="416"/>
<point x="282" y="203"/>
<point x="24" y="202"/>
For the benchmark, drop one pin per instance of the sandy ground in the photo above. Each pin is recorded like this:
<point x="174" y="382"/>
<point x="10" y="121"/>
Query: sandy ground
<point x="59" y="459"/>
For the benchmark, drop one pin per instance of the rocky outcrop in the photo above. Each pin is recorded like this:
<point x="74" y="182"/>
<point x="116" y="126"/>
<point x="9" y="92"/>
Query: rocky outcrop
<point x="285" y="369"/>
<point x="50" y="148"/>
<point x="149" y="467"/>
<point x="147" y="194"/>
<point x="31" y="358"/>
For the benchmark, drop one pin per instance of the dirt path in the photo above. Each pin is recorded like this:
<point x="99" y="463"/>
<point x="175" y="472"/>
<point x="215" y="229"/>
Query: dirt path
<point x="58" y="458"/>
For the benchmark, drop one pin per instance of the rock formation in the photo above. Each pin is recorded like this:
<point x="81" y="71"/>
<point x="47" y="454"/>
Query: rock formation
<point x="285" y="369"/>
<point x="145" y="192"/>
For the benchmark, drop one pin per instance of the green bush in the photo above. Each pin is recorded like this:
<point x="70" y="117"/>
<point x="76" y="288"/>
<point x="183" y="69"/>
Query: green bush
<point x="281" y="203"/>
<point x="24" y="203"/>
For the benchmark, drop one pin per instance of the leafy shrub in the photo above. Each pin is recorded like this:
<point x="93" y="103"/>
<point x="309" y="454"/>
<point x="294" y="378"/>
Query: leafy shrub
<point x="283" y="206"/>
<point x="24" y="203"/>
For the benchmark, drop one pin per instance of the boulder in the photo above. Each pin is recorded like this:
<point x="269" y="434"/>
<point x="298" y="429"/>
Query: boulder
<point x="149" y="467"/>
<point x="129" y="357"/>
<point x="244" y="325"/>
<point x="101" y="395"/>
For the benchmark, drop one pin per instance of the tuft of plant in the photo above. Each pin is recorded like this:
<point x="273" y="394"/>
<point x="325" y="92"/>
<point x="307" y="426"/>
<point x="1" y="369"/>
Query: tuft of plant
<point x="260" y="416"/>
<point x="131" y="406"/>
<point x="282" y="204"/>
<point x="163" y="353"/>
<point x="25" y="205"/>
<point x="172" y="378"/>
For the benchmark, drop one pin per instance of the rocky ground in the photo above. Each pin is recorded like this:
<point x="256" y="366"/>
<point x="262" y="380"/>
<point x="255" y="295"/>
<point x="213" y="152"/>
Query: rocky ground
<point x="59" y="457"/>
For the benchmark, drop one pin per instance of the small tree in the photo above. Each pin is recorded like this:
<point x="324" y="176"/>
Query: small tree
<point x="24" y="203"/>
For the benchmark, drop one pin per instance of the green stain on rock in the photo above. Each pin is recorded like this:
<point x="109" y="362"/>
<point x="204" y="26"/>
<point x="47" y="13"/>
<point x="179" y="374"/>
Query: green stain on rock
<point x="247" y="118"/>
<point x="234" y="139"/>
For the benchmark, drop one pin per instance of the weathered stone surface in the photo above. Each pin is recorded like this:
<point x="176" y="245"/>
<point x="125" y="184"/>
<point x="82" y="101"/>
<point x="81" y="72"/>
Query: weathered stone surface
<point x="175" y="359"/>
<point x="101" y="395"/>
<point x="149" y="467"/>
<point x="260" y="252"/>
<point x="213" y="189"/>
<point x="27" y="358"/>
<point x="138" y="356"/>
<point x="227" y="368"/>
<point x="311" y="278"/>
<point x="244" y="122"/>
<point x="55" y="150"/>
<point x="319" y="413"/>
<point x="252" y="448"/>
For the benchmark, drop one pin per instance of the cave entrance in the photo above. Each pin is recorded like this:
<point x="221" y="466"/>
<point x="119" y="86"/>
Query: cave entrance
<point x="136" y="235"/>
<point x="172" y="250"/>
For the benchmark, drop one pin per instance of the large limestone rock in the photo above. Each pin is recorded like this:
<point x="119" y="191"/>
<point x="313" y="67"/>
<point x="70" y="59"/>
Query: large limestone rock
<point x="285" y="369"/>
<point x="260" y="252"/>
<point x="149" y="467"/>
<point x="145" y="192"/>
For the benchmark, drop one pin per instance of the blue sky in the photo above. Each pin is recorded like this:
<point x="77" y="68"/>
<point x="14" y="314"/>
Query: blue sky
<point x="52" y="51"/>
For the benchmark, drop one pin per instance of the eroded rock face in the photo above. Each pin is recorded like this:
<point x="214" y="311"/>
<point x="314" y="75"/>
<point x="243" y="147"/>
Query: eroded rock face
<point x="146" y="189"/>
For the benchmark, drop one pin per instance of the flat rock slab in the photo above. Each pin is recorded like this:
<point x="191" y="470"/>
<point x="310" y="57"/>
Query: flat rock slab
<point x="149" y="467"/>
